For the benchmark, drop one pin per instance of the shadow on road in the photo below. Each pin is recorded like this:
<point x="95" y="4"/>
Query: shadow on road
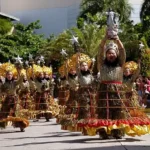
<point x="54" y="134"/>
<point x="78" y="141"/>
<point x="122" y="147"/>
<point x="9" y="132"/>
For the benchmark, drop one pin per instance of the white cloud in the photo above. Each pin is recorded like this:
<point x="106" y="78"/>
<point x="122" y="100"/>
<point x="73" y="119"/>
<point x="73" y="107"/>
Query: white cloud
<point x="136" y="2"/>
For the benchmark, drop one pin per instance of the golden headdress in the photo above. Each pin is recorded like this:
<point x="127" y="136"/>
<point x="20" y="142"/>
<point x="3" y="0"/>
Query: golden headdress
<point x="6" y="67"/>
<point x="23" y="72"/>
<point x="82" y="58"/>
<point x="133" y="66"/>
<point x="67" y="66"/>
<point x="72" y="63"/>
<point x="35" y="70"/>
<point x="47" y="70"/>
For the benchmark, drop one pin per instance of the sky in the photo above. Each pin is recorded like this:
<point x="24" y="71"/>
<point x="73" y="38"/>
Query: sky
<point x="136" y="4"/>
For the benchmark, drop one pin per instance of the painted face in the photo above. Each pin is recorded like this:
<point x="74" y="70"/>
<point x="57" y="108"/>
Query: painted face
<point x="41" y="75"/>
<point x="72" y="71"/>
<point x="127" y="72"/>
<point x="84" y="66"/>
<point x="111" y="55"/>
<point x="46" y="75"/>
<point x="25" y="78"/>
<point x="9" y="76"/>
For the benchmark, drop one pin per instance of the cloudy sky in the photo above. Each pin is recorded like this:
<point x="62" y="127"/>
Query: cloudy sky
<point x="136" y="4"/>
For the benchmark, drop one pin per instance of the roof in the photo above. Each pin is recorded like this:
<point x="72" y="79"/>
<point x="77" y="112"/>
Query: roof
<point x="12" y="18"/>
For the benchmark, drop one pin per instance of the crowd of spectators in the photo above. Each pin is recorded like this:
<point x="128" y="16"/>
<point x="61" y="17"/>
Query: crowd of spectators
<point x="142" y="85"/>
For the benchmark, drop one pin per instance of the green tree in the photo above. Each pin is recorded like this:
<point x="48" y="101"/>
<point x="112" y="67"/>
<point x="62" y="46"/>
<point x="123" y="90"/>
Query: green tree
<point x="145" y="65"/>
<point x="22" y="42"/>
<point x="145" y="15"/>
<point x="89" y="38"/>
<point x="122" y="7"/>
<point x="145" y="19"/>
<point x="55" y="44"/>
<point x="5" y="26"/>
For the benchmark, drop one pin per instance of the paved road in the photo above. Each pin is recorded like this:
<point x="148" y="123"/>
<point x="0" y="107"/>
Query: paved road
<point x="48" y="136"/>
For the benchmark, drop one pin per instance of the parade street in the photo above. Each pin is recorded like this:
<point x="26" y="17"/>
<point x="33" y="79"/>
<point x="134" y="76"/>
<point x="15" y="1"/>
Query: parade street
<point x="48" y="136"/>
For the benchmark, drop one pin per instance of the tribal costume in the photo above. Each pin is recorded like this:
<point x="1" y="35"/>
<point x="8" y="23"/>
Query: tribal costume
<point x="114" y="117"/>
<point x="128" y="81"/>
<point x="9" y="110"/>
<point x="82" y="96"/>
<point x="70" y="109"/>
<point x="24" y="94"/>
<point x="86" y="94"/>
<point x="41" y="90"/>
<point x="63" y="91"/>
<point x="41" y="98"/>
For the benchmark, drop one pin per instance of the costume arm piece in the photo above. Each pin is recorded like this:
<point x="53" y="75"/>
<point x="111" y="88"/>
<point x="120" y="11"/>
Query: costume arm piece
<point x="100" y="56"/>
<point x="136" y="74"/>
<point x="78" y="63"/>
<point x="20" y="80"/>
<point x="63" y="82"/>
<point x="46" y="86"/>
<point x="52" y="86"/>
<point x="122" y="52"/>
<point x="32" y="84"/>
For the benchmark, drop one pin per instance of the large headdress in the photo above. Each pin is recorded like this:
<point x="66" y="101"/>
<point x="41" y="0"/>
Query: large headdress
<point x="113" y="46"/>
<point x="34" y="70"/>
<point x="47" y="70"/>
<point x="133" y="66"/>
<point x="8" y="67"/>
<point x="71" y="63"/>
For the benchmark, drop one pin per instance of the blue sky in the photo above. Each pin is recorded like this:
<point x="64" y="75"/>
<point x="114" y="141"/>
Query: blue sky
<point x="136" y="4"/>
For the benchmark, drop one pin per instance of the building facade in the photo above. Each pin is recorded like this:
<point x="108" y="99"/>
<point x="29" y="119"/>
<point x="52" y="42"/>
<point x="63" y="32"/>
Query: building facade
<point x="54" y="15"/>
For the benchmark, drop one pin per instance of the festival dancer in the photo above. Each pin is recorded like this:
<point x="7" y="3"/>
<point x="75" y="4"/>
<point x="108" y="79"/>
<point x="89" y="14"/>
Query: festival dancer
<point x="44" y="102"/>
<point x="41" y="95"/>
<point x="82" y="99"/>
<point x="63" y="90"/>
<point x="69" y="110"/>
<point x="9" y="103"/>
<point x="87" y="94"/>
<point x="114" y="118"/>
<point x="24" y="93"/>
<point x="130" y="74"/>
<point x="48" y="77"/>
<point x="73" y="88"/>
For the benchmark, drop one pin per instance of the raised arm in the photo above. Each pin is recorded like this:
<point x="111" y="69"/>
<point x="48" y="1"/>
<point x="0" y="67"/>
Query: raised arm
<point x="122" y="52"/>
<point x="101" y="53"/>
<point x="136" y="74"/>
<point x="19" y="80"/>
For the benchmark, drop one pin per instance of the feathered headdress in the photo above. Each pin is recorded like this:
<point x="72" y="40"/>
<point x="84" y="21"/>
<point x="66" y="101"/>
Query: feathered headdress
<point x="71" y="63"/>
<point x="47" y="70"/>
<point x="34" y="70"/>
<point x="133" y="66"/>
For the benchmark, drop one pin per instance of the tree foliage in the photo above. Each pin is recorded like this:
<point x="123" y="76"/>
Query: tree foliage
<point x="145" y="66"/>
<point x="5" y="26"/>
<point x="51" y="51"/>
<point x="145" y="15"/>
<point x="89" y="37"/>
<point x="22" y="42"/>
<point x="122" y="7"/>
